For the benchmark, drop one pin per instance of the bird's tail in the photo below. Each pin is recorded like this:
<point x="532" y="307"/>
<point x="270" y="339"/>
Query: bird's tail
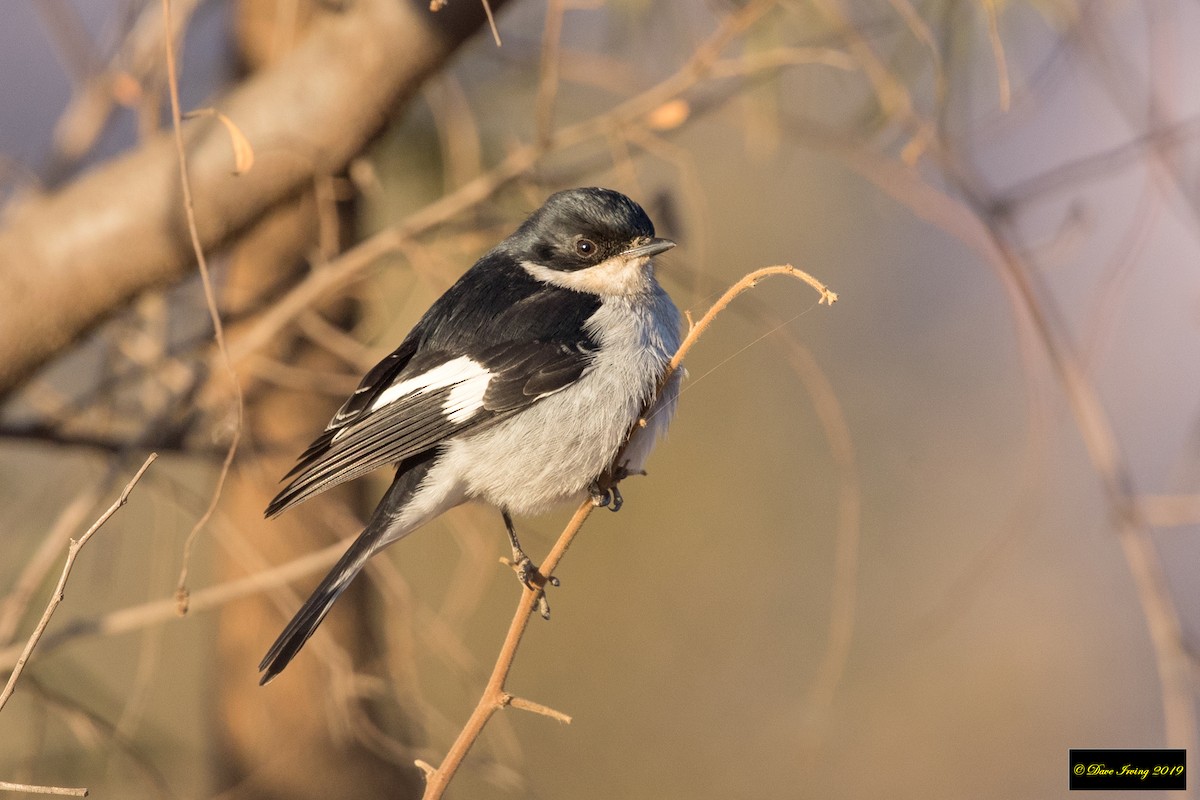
<point x="388" y="523"/>
<point x="316" y="607"/>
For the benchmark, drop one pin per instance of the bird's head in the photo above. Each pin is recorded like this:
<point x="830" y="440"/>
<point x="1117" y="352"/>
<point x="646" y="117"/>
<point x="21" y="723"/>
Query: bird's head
<point x="590" y="240"/>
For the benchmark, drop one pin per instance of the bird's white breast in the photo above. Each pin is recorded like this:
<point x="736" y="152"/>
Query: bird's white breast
<point x="550" y="452"/>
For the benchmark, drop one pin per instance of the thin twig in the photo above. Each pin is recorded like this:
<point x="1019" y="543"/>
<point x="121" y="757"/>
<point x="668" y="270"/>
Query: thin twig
<point x="143" y="615"/>
<point x="5" y="786"/>
<point x="547" y="89"/>
<point x="12" y="609"/>
<point x="210" y="299"/>
<point x="993" y="24"/>
<point x="72" y="552"/>
<point x="89" y="727"/>
<point x="1169" y="511"/>
<point x="487" y="9"/>
<point x="751" y="280"/>
<point x="537" y="708"/>
<point x="494" y="696"/>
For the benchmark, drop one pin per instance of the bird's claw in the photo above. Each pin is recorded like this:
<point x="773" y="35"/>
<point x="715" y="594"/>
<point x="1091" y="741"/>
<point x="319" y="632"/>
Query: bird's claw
<point x="543" y="605"/>
<point x="527" y="571"/>
<point x="609" y="497"/>
<point x="532" y="579"/>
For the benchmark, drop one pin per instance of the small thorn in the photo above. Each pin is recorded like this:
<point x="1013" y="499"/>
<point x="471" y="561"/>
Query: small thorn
<point x="536" y="708"/>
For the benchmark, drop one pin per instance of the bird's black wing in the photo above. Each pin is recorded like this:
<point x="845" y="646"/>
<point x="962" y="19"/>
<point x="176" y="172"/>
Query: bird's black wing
<point x="452" y="396"/>
<point x="436" y="386"/>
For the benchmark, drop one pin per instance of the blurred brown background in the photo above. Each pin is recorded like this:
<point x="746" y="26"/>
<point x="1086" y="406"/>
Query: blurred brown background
<point x="915" y="545"/>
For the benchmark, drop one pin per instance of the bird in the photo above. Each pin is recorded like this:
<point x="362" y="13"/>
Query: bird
<point x="518" y="388"/>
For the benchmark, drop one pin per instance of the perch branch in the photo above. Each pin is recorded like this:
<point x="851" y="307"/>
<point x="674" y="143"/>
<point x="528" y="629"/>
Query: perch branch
<point x="494" y="695"/>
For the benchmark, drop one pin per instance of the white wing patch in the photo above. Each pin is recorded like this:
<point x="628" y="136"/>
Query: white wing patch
<point x="467" y="397"/>
<point x="468" y="378"/>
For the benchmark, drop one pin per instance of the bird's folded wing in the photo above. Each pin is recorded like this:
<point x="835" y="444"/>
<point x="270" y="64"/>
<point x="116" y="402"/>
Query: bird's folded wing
<point x="399" y="413"/>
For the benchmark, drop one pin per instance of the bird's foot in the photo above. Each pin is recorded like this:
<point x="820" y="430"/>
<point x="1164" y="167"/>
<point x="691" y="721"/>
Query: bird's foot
<point x="531" y="578"/>
<point x="527" y="571"/>
<point x="604" y="491"/>
<point x="609" y="497"/>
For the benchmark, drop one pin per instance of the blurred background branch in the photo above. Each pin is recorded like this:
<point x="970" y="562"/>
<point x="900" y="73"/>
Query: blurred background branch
<point x="73" y="270"/>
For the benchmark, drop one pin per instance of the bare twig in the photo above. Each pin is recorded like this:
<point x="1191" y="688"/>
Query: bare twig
<point x="1168" y="511"/>
<point x="5" y="786"/>
<point x="210" y="300"/>
<point x="89" y="727"/>
<point x="993" y="24"/>
<point x="155" y="611"/>
<point x="494" y="696"/>
<point x="746" y="283"/>
<point x="458" y="130"/>
<point x="547" y="90"/>
<point x="487" y="9"/>
<point x="72" y="552"/>
<point x="843" y="591"/>
<point x="924" y="34"/>
<point x="12" y="609"/>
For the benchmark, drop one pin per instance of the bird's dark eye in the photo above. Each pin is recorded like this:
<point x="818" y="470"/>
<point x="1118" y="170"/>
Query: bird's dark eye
<point x="585" y="247"/>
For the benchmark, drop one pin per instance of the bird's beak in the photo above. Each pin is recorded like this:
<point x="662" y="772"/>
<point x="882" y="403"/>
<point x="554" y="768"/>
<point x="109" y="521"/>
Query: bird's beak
<point x="651" y="248"/>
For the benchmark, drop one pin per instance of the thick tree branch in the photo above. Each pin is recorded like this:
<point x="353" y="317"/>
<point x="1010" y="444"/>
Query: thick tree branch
<point x="69" y="259"/>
